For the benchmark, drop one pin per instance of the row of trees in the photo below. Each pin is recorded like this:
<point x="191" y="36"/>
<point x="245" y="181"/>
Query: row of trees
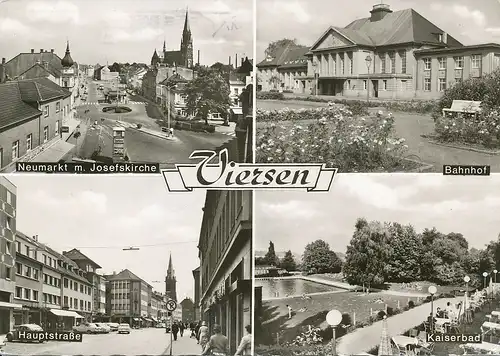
<point x="380" y="253"/>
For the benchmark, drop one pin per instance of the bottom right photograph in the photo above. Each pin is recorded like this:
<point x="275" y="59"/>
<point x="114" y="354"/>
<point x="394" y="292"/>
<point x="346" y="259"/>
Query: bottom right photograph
<point x="382" y="264"/>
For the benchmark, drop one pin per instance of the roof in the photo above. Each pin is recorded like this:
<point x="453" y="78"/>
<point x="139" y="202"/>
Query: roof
<point x="24" y="61"/>
<point x="404" y="26"/>
<point x="41" y="90"/>
<point x="234" y="78"/>
<point x="176" y="78"/>
<point x="13" y="109"/>
<point x="77" y="255"/>
<point x="124" y="275"/>
<point x="457" y="49"/>
<point x="295" y="57"/>
<point x="277" y="60"/>
<point x="39" y="70"/>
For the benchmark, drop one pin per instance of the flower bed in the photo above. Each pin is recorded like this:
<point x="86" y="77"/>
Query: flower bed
<point x="331" y="135"/>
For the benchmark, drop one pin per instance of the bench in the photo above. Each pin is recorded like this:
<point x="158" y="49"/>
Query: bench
<point x="464" y="106"/>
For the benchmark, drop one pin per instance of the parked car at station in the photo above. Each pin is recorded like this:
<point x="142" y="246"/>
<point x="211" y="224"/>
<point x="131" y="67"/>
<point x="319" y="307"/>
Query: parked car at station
<point x="87" y="328"/>
<point x="123" y="329"/>
<point x="14" y="335"/>
<point x="105" y="329"/>
<point x="113" y="326"/>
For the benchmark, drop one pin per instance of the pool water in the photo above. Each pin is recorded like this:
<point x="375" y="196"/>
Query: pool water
<point x="272" y="288"/>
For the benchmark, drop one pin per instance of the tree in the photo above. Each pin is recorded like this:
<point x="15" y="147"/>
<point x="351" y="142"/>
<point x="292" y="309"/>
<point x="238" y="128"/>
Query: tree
<point x="115" y="67"/>
<point x="221" y="67"/>
<point x="275" y="45"/>
<point x="367" y="254"/>
<point x="270" y="257"/>
<point x="406" y="253"/>
<point x="274" y="81"/>
<point x="288" y="262"/>
<point x="208" y="92"/>
<point x="318" y="258"/>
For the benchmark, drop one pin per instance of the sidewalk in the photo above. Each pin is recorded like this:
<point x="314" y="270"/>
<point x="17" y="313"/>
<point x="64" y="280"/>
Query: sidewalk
<point x="184" y="346"/>
<point x="365" y="339"/>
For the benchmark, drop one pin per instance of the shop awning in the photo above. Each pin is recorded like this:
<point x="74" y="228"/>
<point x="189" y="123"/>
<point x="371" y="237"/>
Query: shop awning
<point x="237" y="111"/>
<point x="10" y="305"/>
<point x="67" y="313"/>
<point x="154" y="319"/>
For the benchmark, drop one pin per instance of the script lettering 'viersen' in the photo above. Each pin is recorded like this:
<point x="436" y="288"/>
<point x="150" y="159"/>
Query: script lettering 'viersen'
<point x="240" y="175"/>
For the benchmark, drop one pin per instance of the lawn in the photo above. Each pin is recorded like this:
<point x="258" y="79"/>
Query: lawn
<point x="313" y="311"/>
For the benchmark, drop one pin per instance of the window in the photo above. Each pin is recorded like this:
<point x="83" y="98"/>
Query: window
<point x="442" y="84"/>
<point x="1" y="157"/>
<point x="442" y="63"/>
<point x="57" y="127"/>
<point x="8" y="247"/>
<point x="476" y="61"/>
<point x="7" y="273"/>
<point x="27" y="250"/>
<point x="19" y="268"/>
<point x="382" y="63"/>
<point x="458" y="80"/>
<point x="459" y="62"/>
<point x="402" y="55"/>
<point x="364" y="84"/>
<point x="348" y="84"/>
<point x="18" y="246"/>
<point x="342" y="63"/>
<point x="9" y="197"/>
<point x="35" y="274"/>
<point x="45" y="111"/>
<point x="427" y="63"/>
<point x="15" y="150"/>
<point x="351" y="67"/>
<point x="236" y="91"/>
<point x="65" y="301"/>
<point x="19" y="292"/>
<point x="58" y="106"/>
<point x="392" y="56"/>
<point x="45" y="134"/>
<point x="384" y="84"/>
<point x="35" y="295"/>
<point x="27" y="271"/>
<point x="427" y="84"/>
<point x="27" y="293"/>
<point x="65" y="282"/>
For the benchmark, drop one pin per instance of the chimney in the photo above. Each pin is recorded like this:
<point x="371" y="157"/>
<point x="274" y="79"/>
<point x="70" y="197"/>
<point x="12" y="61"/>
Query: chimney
<point x="242" y="61"/>
<point x="236" y="61"/>
<point x="229" y="60"/>
<point x="32" y="50"/>
<point x="198" y="57"/>
<point x="379" y="11"/>
<point x="445" y="38"/>
<point x="41" y="50"/>
<point x="3" y="60"/>
<point x="52" y="50"/>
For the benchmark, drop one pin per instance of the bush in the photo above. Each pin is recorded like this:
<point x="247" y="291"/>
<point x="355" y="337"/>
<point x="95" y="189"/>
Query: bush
<point x="263" y="95"/>
<point x="194" y="126"/>
<point x="411" y="304"/>
<point x="334" y="137"/>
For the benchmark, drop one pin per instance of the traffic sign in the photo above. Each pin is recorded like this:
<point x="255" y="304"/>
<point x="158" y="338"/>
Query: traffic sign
<point x="171" y="305"/>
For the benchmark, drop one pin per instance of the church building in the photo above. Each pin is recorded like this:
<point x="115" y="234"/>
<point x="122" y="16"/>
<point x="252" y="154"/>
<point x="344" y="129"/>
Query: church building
<point x="170" y="281"/>
<point x="183" y="57"/>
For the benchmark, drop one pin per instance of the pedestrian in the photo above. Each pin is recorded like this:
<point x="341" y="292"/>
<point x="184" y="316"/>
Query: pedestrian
<point x="171" y="131"/>
<point x="197" y="331"/>
<point x="192" y="327"/>
<point x="175" y="330"/>
<point x="218" y="343"/>
<point x="289" y="311"/>
<point x="245" y="347"/>
<point x="181" y="328"/>
<point x="203" y="335"/>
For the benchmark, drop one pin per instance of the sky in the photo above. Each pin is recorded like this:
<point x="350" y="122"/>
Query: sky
<point x="467" y="205"/>
<point x="470" y="22"/>
<point x="126" y="30"/>
<point x="102" y="215"/>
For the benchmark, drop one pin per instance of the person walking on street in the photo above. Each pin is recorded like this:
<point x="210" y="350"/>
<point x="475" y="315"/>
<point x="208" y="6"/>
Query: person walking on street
<point x="181" y="328"/>
<point x="289" y="311"/>
<point x="175" y="330"/>
<point x="218" y="344"/>
<point x="245" y="347"/>
<point x="203" y="335"/>
<point x="197" y="332"/>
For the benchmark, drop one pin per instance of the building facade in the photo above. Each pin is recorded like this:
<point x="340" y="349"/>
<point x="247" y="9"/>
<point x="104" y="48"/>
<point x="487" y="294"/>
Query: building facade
<point x="188" y="310"/>
<point x="390" y="55"/>
<point x="197" y="287"/>
<point x="225" y="251"/>
<point x="8" y="193"/>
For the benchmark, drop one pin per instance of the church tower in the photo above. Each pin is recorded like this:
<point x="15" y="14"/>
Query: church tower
<point x="170" y="281"/>
<point x="187" y="44"/>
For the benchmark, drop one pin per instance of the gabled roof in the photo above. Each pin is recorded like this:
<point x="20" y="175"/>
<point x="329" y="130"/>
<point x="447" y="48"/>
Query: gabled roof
<point x="280" y="54"/>
<point x="176" y="78"/>
<point x="295" y="57"/>
<point x="39" y="70"/>
<point x="13" y="109"/>
<point x="77" y="255"/>
<point x="236" y="79"/>
<point x="23" y="61"/>
<point x="404" y="26"/>
<point x="124" y="275"/>
<point x="40" y="90"/>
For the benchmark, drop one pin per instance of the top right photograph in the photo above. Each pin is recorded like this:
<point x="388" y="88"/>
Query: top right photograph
<point x="371" y="86"/>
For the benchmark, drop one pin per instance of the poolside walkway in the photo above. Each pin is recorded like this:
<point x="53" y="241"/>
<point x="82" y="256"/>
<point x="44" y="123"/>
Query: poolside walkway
<point x="365" y="339"/>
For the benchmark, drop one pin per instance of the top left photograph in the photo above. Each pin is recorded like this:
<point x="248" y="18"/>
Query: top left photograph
<point x="124" y="81"/>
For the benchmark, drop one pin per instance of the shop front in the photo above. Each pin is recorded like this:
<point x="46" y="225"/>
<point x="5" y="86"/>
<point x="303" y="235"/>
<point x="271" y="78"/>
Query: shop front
<point x="28" y="314"/>
<point x="6" y="316"/>
<point x="62" y="320"/>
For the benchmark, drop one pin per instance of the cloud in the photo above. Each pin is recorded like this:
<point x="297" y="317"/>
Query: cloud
<point x="53" y="11"/>
<point x="82" y="203"/>
<point x="220" y="41"/>
<point x="13" y="27"/>
<point x="298" y="11"/>
<point x="117" y="19"/>
<point x="150" y="214"/>
<point x="145" y="34"/>
<point x="475" y="15"/>
<point x="292" y="209"/>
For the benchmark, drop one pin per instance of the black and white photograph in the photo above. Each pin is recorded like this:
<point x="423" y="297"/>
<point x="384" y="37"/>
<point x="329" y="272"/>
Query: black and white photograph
<point x="377" y="265"/>
<point x="378" y="86"/>
<point x="124" y="81"/>
<point x="128" y="266"/>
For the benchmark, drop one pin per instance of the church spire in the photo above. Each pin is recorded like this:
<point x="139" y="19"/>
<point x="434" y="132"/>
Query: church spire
<point x="67" y="61"/>
<point x="186" y="23"/>
<point x="170" y="270"/>
<point x="164" y="46"/>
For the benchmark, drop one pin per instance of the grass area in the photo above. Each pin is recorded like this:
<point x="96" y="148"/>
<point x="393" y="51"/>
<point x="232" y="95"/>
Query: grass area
<point x="274" y="316"/>
<point x="422" y="287"/>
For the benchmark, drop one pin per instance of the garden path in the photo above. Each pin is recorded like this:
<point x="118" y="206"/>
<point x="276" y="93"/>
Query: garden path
<point x="367" y="338"/>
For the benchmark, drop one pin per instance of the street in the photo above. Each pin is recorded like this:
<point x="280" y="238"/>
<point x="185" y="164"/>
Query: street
<point x="147" y="341"/>
<point x="140" y="146"/>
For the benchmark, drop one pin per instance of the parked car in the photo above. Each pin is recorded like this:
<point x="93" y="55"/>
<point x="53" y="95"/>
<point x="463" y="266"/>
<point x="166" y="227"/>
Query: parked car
<point x="3" y="338"/>
<point x="87" y="328"/>
<point x="123" y="329"/>
<point x="105" y="329"/>
<point x="113" y="326"/>
<point x="161" y="325"/>
<point x="14" y="335"/>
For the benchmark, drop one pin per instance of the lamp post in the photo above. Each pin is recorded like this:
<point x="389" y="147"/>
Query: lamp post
<point x="485" y="275"/>
<point x="466" y="302"/>
<point x="368" y="61"/>
<point x="315" y="69"/>
<point x="493" y="288"/>
<point x="432" y="290"/>
<point x="334" y="318"/>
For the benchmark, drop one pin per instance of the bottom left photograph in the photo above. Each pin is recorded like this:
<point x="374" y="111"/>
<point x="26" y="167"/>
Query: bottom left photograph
<point x="118" y="265"/>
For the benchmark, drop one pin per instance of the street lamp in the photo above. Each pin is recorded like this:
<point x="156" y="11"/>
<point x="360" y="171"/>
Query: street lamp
<point x="432" y="290"/>
<point x="315" y="70"/>
<point x="466" y="303"/>
<point x="334" y="318"/>
<point x="485" y="275"/>
<point x="368" y="61"/>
